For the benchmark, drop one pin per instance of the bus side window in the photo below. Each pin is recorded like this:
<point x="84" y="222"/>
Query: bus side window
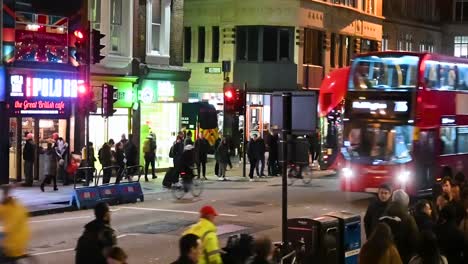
<point x="462" y="77"/>
<point x="431" y="75"/>
<point x="448" y="139"/>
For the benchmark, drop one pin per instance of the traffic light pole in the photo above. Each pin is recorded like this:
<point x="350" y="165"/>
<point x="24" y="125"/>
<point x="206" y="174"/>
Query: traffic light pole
<point x="286" y="131"/>
<point x="244" y="136"/>
<point x="88" y="86"/>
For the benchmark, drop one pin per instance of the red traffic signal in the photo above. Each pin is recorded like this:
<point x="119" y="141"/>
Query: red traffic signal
<point x="228" y="94"/>
<point x="78" y="34"/>
<point x="234" y="99"/>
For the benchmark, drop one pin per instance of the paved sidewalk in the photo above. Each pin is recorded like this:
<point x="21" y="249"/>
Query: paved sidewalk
<point x="58" y="201"/>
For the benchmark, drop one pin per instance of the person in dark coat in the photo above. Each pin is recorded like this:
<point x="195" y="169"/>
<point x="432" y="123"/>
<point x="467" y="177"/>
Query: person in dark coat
<point x="120" y="160"/>
<point x="450" y="238"/>
<point x="188" y="138"/>
<point x="190" y="248"/>
<point x="178" y="150"/>
<point x="97" y="239"/>
<point x="50" y="166"/>
<point x="149" y="154"/>
<point x="273" y="155"/>
<point x="131" y="153"/>
<point x="403" y="225"/>
<point x="263" y="250"/>
<point x="105" y="158"/>
<point x="254" y="152"/>
<point x="216" y="146"/>
<point x="261" y="157"/>
<point x="448" y="188"/>
<point x="201" y="153"/>
<point x="377" y="208"/>
<point x="29" y="153"/>
<point x="423" y="216"/>
<point x="222" y="157"/>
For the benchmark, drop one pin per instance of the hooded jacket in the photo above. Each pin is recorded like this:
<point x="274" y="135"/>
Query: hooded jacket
<point x="375" y="210"/>
<point x="97" y="237"/>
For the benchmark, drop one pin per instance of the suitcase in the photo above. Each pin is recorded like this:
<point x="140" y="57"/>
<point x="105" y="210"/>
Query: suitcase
<point x="170" y="178"/>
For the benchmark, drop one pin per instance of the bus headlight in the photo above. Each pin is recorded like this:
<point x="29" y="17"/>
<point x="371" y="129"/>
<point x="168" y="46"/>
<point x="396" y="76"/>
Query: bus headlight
<point x="404" y="176"/>
<point x="347" y="172"/>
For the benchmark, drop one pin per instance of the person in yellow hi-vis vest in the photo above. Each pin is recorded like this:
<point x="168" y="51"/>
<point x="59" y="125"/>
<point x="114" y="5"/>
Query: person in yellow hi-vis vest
<point x="206" y="230"/>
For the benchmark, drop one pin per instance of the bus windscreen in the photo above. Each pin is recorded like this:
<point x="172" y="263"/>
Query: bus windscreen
<point x="384" y="72"/>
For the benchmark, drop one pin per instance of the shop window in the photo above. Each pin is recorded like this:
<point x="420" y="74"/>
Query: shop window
<point x="270" y="43"/>
<point x="187" y="44"/>
<point x="462" y="140"/>
<point x="448" y="139"/>
<point x="461" y="46"/>
<point x="201" y="44"/>
<point x="215" y="46"/>
<point x="313" y="49"/>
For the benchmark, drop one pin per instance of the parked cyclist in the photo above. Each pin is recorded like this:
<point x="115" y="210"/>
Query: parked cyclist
<point x="377" y="208"/>
<point x="14" y="218"/>
<point x="206" y="230"/>
<point x="190" y="247"/>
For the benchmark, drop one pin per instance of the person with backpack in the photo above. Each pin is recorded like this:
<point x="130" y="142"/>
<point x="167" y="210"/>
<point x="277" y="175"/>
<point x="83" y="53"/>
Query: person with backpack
<point x="97" y="239"/>
<point x="149" y="151"/>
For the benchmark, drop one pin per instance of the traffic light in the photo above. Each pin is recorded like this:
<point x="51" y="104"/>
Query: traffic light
<point x="109" y="97"/>
<point x="234" y="99"/>
<point x="80" y="46"/>
<point x="97" y="46"/>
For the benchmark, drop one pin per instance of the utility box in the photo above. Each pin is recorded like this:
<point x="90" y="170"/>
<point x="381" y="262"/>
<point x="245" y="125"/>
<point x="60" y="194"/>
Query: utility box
<point x="350" y="235"/>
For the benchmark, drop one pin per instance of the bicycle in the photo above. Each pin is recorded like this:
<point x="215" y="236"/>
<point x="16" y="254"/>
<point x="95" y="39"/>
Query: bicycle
<point x="296" y="172"/>
<point x="187" y="183"/>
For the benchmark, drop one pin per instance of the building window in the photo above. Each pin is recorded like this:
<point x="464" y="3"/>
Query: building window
<point x="215" y="46"/>
<point x="116" y="26"/>
<point x="461" y="46"/>
<point x="461" y="10"/>
<point x="368" y="6"/>
<point x="187" y="44"/>
<point x="270" y="43"/>
<point x="95" y="13"/>
<point x="333" y="50"/>
<point x="277" y="43"/>
<point x="384" y="42"/>
<point x="313" y="49"/>
<point x="201" y="44"/>
<point x="158" y="24"/>
<point x="426" y="46"/>
<point x="351" y="3"/>
<point x="368" y="45"/>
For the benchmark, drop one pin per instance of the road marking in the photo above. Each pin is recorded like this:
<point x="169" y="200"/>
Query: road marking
<point x="60" y="219"/>
<point x="52" y="252"/>
<point x="170" y="211"/>
<point x="72" y="249"/>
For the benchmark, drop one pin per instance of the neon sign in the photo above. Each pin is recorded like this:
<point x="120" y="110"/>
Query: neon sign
<point x="44" y="87"/>
<point x="42" y="107"/>
<point x="369" y="105"/>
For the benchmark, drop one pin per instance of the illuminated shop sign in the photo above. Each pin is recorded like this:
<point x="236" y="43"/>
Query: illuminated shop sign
<point x="46" y="87"/>
<point x="41" y="107"/>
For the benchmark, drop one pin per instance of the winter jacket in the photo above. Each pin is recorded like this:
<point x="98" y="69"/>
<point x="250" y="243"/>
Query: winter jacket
<point x="14" y="218"/>
<point x="273" y="148"/>
<point x="391" y="256"/>
<point x="375" y="210"/>
<point x="201" y="149"/>
<point x="105" y="155"/>
<point x="256" y="149"/>
<point x="418" y="260"/>
<point x="119" y="156"/>
<point x="29" y="151"/>
<point x="206" y="231"/>
<point x="96" y="239"/>
<point x="424" y="222"/>
<point x="50" y="162"/>
<point x="222" y="154"/>
<point x="178" y="148"/>
<point x="404" y="229"/>
<point x="451" y="242"/>
<point x="131" y="152"/>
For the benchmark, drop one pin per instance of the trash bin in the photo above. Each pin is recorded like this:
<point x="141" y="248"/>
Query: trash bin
<point x="350" y="227"/>
<point x="319" y="238"/>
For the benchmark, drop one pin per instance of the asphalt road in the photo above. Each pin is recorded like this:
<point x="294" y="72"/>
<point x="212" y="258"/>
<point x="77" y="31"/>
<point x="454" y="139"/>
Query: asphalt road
<point x="149" y="231"/>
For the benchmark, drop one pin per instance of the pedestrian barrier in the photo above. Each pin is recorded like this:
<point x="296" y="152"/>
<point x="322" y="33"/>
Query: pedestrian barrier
<point x="350" y="236"/>
<point x="122" y="192"/>
<point x="131" y="191"/>
<point x="85" y="197"/>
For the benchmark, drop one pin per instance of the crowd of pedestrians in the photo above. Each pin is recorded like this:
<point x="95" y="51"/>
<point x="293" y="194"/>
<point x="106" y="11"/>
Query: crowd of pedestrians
<point x="428" y="232"/>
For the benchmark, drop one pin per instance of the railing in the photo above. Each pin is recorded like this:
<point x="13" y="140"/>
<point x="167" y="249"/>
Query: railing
<point x="92" y="175"/>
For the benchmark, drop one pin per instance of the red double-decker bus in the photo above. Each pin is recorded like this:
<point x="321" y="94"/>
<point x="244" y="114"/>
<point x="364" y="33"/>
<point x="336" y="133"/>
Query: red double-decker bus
<point x="405" y="121"/>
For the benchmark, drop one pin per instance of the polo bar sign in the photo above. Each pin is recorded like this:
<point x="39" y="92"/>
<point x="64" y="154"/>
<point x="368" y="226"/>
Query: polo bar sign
<point x="32" y="96"/>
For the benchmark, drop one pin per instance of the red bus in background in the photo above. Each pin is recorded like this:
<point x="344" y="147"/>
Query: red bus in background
<point x="405" y="121"/>
<point x="331" y="107"/>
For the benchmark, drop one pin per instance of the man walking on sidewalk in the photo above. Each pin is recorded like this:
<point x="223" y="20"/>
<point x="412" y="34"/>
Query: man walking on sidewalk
<point x="29" y="153"/>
